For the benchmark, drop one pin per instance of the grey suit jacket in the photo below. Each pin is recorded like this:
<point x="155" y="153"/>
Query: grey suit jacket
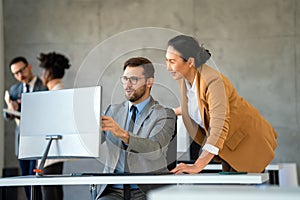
<point x="148" y="142"/>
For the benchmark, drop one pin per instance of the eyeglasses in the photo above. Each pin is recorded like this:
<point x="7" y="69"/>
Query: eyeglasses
<point x="20" y="70"/>
<point x="133" y="80"/>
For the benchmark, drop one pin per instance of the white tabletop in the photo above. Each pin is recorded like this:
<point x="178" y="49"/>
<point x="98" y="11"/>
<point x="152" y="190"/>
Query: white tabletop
<point x="205" y="178"/>
<point x="235" y="192"/>
<point x="273" y="167"/>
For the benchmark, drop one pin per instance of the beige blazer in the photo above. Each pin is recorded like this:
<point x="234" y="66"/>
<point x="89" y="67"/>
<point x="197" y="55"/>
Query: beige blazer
<point x="246" y="140"/>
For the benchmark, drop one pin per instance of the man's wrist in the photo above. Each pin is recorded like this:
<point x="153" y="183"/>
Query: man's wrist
<point x="125" y="137"/>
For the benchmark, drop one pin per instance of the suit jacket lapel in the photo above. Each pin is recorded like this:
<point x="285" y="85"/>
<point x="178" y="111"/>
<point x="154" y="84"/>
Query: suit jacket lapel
<point x="17" y="94"/>
<point x="200" y="96"/>
<point x="190" y="125"/>
<point x="145" y="113"/>
<point x="38" y="85"/>
<point x="120" y="118"/>
<point x="193" y="128"/>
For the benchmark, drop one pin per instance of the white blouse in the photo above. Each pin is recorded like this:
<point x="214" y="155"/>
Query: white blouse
<point x="194" y="113"/>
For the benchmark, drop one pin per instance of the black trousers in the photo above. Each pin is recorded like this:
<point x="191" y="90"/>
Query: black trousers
<point x="53" y="192"/>
<point x="27" y="167"/>
<point x="118" y="194"/>
<point x="226" y="167"/>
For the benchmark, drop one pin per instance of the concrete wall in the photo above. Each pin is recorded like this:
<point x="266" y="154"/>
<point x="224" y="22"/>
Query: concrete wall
<point x="1" y="89"/>
<point x="255" y="43"/>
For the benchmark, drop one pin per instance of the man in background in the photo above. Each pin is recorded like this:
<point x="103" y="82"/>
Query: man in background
<point x="27" y="82"/>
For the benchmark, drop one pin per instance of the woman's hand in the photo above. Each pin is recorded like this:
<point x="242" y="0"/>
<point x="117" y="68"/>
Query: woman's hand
<point x="185" y="168"/>
<point x="177" y="111"/>
<point x="197" y="167"/>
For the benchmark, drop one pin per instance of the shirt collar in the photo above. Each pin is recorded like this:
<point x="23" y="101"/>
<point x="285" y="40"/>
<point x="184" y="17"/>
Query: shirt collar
<point x="188" y="86"/>
<point x="31" y="84"/>
<point x="140" y="106"/>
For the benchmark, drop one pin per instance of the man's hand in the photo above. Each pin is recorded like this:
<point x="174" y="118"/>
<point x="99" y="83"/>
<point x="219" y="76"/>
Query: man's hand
<point x="109" y="124"/>
<point x="11" y="105"/>
<point x="7" y="97"/>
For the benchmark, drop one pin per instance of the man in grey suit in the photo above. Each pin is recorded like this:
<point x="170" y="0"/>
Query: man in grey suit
<point x="136" y="132"/>
<point x="27" y="82"/>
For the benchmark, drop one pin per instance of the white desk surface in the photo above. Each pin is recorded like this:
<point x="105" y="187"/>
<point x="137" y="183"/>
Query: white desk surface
<point x="245" y="192"/>
<point x="205" y="178"/>
<point x="273" y="167"/>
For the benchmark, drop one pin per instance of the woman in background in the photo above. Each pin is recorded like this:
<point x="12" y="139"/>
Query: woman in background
<point x="54" y="66"/>
<point x="228" y="128"/>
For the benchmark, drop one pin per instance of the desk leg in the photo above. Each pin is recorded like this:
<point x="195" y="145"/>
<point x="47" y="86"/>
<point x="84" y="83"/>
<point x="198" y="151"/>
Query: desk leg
<point x="273" y="176"/>
<point x="35" y="192"/>
<point x="32" y="196"/>
<point x="93" y="189"/>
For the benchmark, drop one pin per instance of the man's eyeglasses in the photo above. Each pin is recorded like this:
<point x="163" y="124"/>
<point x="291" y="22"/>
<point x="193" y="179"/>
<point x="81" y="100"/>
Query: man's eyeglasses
<point x="20" y="70"/>
<point x="133" y="80"/>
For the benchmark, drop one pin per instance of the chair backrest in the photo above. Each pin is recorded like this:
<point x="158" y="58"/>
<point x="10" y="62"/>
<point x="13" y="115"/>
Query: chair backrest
<point x="172" y="150"/>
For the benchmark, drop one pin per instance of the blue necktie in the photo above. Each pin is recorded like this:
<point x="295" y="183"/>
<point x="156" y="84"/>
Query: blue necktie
<point x="126" y="169"/>
<point x="132" y="119"/>
<point x="27" y="88"/>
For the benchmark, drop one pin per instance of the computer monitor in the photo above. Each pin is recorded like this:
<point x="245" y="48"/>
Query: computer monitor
<point x="74" y="114"/>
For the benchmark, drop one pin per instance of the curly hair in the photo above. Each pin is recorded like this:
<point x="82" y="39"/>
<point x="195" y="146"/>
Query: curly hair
<point x="55" y="63"/>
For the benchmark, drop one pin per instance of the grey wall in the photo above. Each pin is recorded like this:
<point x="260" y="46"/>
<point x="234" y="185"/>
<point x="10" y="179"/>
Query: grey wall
<point x="255" y="43"/>
<point x="1" y="89"/>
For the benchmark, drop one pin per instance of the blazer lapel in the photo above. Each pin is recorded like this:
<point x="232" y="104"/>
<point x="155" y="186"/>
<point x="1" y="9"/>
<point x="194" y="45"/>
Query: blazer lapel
<point x="190" y="125"/>
<point x="200" y="96"/>
<point x="120" y="118"/>
<point x="145" y="113"/>
<point x="193" y="128"/>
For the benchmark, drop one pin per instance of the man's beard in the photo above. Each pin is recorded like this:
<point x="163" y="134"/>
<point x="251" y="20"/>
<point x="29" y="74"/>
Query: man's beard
<point x="137" y="94"/>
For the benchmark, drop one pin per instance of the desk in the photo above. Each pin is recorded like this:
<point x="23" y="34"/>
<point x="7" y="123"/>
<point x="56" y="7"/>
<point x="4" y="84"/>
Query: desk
<point x="272" y="169"/>
<point x="180" y="192"/>
<point x="209" y="178"/>
<point x="282" y="174"/>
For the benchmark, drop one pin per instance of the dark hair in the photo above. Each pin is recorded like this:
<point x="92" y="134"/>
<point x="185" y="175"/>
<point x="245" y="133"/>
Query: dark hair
<point x="188" y="47"/>
<point x="18" y="59"/>
<point x="54" y="62"/>
<point x="141" y="62"/>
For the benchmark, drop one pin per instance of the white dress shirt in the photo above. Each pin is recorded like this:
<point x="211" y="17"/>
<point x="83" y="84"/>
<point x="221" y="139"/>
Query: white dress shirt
<point x="194" y="113"/>
<point x="31" y="85"/>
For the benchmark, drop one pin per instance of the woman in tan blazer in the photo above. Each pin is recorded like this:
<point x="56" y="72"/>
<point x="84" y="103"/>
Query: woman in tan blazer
<point x="228" y="128"/>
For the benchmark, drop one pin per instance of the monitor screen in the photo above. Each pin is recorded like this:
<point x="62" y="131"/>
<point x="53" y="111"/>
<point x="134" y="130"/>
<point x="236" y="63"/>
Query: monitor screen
<point x="73" y="114"/>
